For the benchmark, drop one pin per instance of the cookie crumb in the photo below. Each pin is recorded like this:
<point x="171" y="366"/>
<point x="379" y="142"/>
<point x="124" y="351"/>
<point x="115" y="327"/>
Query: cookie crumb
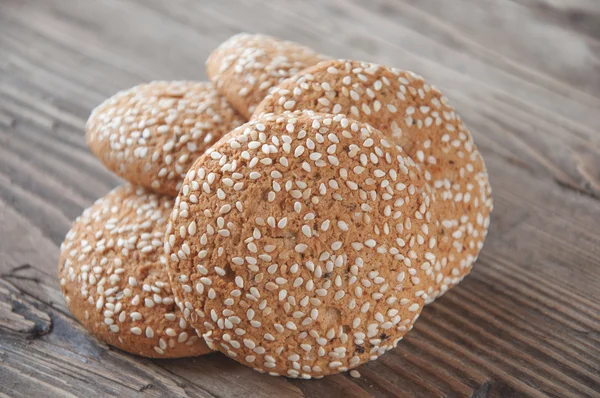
<point x="355" y="374"/>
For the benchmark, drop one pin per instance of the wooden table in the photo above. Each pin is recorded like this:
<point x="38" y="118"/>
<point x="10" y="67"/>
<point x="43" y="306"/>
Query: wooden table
<point x="525" y="76"/>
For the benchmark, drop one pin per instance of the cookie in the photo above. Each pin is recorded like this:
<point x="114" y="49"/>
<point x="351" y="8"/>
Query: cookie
<point x="151" y="134"/>
<point x="246" y="66"/>
<point x="297" y="243"/>
<point x="419" y="119"/>
<point x="113" y="281"/>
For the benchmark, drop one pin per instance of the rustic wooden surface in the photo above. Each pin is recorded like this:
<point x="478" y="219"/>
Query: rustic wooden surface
<point x="525" y="75"/>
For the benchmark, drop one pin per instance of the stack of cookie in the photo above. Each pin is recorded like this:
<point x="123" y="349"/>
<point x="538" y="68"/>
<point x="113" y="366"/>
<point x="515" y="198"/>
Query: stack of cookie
<point x="302" y="243"/>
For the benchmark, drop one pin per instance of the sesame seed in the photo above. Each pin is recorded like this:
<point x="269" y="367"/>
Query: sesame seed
<point x="136" y="330"/>
<point x="300" y="248"/>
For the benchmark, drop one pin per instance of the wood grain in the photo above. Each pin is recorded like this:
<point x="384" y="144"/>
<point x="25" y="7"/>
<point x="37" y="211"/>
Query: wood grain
<point x="525" y="76"/>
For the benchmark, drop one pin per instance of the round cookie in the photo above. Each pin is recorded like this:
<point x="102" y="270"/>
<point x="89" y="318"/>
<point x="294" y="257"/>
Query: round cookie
<point x="151" y="134"/>
<point x="246" y="66"/>
<point x="297" y="243"/>
<point x="419" y="119"/>
<point x="113" y="280"/>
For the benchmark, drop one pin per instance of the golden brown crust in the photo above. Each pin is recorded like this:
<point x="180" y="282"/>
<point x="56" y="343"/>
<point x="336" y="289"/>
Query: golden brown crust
<point x="113" y="281"/>
<point x="419" y="119"/>
<point x="246" y="66"/>
<point x="150" y="134"/>
<point x="299" y="244"/>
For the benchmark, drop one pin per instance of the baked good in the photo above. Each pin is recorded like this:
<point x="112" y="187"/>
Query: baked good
<point x="113" y="281"/>
<point x="298" y="242"/>
<point x="418" y="118"/>
<point x="246" y="66"/>
<point x="150" y="134"/>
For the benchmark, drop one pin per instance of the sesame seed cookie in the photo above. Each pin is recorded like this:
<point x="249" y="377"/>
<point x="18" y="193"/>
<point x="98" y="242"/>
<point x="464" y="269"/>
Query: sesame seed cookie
<point x="297" y="243"/>
<point x="247" y="66"/>
<point x="152" y="133"/>
<point x="419" y="119"/>
<point x="113" y="281"/>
